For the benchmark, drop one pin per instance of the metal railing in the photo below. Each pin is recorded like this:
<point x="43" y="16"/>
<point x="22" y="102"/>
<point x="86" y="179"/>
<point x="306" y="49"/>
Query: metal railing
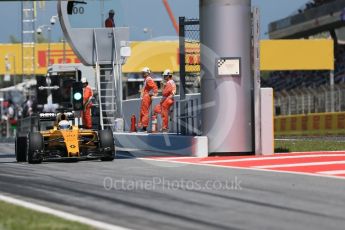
<point x="310" y="100"/>
<point x="189" y="48"/>
<point x="190" y="121"/>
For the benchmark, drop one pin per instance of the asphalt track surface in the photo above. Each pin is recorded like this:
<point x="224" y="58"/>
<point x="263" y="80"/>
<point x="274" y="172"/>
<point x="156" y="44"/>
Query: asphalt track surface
<point x="147" y="194"/>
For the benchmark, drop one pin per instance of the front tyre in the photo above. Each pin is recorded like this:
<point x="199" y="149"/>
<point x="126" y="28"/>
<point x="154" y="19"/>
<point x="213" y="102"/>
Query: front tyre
<point x="106" y="144"/>
<point x="35" y="148"/>
<point x="20" y="149"/>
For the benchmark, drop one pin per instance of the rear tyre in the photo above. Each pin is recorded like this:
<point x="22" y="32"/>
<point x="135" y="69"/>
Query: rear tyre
<point x="106" y="141"/>
<point x="20" y="149"/>
<point x="35" y="146"/>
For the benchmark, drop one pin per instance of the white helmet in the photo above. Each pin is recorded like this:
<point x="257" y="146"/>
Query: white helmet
<point x="64" y="125"/>
<point x="167" y="73"/>
<point x="146" y="70"/>
<point x="84" y="80"/>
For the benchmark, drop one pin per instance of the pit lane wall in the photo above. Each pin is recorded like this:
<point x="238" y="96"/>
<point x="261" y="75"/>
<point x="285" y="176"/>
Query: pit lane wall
<point x="318" y="124"/>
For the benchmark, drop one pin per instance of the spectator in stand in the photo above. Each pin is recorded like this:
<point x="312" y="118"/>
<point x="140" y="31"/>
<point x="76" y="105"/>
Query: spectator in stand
<point x="27" y="107"/>
<point x="11" y="118"/>
<point x="314" y="3"/>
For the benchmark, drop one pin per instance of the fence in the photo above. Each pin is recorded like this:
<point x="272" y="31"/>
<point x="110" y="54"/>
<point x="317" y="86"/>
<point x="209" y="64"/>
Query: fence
<point x="189" y="46"/>
<point x="191" y="121"/>
<point x="310" y="100"/>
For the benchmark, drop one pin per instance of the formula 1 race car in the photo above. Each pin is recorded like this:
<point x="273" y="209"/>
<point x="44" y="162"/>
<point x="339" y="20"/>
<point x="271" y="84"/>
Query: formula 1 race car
<point x="64" y="141"/>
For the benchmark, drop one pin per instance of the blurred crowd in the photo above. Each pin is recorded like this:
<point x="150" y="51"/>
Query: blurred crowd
<point x="11" y="112"/>
<point x="314" y="3"/>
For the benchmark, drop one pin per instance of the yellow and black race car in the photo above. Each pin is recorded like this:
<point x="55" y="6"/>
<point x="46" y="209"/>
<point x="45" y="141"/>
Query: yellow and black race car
<point x="64" y="141"/>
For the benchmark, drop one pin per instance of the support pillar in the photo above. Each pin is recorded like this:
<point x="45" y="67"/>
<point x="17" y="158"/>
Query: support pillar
<point x="227" y="113"/>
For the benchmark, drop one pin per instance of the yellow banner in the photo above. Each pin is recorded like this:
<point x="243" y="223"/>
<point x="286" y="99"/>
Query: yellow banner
<point x="157" y="55"/>
<point x="297" y="55"/>
<point x="161" y="55"/>
<point x="11" y="55"/>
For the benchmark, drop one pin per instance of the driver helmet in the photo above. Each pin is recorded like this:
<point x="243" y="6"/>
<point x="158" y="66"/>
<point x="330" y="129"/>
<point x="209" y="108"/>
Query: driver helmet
<point x="64" y="125"/>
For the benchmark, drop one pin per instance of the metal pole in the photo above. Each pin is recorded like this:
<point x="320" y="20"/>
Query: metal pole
<point x="102" y="13"/>
<point x="14" y="70"/>
<point x="325" y="102"/>
<point x="225" y="34"/>
<point x="49" y="41"/>
<point x="257" y="140"/>
<point x="7" y="128"/>
<point x="339" y="100"/>
<point x="23" y="38"/>
<point x="182" y="73"/>
<point x="302" y="104"/>
<point x="309" y="103"/>
<point x="182" y="59"/>
<point x="64" y="50"/>
<point x="332" y="90"/>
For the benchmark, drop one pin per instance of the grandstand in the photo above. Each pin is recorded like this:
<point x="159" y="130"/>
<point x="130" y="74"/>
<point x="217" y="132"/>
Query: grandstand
<point x="298" y="92"/>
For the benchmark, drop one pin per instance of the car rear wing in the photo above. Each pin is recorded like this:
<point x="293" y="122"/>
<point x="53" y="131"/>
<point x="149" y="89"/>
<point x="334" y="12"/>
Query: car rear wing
<point x="53" y="116"/>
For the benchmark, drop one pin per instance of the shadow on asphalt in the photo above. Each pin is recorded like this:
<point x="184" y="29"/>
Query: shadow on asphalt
<point x="119" y="156"/>
<point x="6" y="156"/>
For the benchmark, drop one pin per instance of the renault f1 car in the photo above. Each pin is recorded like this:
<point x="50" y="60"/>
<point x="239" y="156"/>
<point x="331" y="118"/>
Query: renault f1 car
<point x="64" y="141"/>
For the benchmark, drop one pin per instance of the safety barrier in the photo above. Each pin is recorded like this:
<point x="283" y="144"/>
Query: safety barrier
<point x="132" y="106"/>
<point x="189" y="122"/>
<point x="316" y="124"/>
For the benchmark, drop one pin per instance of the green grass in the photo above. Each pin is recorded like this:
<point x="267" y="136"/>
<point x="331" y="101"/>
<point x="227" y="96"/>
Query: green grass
<point x="308" y="145"/>
<point x="17" y="218"/>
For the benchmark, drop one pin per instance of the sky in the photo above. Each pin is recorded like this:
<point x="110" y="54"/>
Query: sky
<point x="137" y="14"/>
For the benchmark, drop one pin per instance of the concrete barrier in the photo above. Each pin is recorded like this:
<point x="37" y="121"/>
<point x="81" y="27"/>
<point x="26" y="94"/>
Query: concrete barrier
<point x="161" y="144"/>
<point x="318" y="124"/>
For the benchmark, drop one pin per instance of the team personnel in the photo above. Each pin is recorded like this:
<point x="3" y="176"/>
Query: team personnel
<point x="110" y="22"/>
<point x="168" y="93"/>
<point x="87" y="97"/>
<point x="149" y="89"/>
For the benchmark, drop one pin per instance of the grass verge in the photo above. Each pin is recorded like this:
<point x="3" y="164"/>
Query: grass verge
<point x="17" y="218"/>
<point x="284" y="146"/>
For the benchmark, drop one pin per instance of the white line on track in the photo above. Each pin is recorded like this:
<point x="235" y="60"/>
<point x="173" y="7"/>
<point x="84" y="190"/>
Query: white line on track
<point x="334" y="172"/>
<point x="250" y="169"/>
<point x="321" y="152"/>
<point x="60" y="214"/>
<point x="179" y="158"/>
<point x="274" y="158"/>
<point x="300" y="164"/>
